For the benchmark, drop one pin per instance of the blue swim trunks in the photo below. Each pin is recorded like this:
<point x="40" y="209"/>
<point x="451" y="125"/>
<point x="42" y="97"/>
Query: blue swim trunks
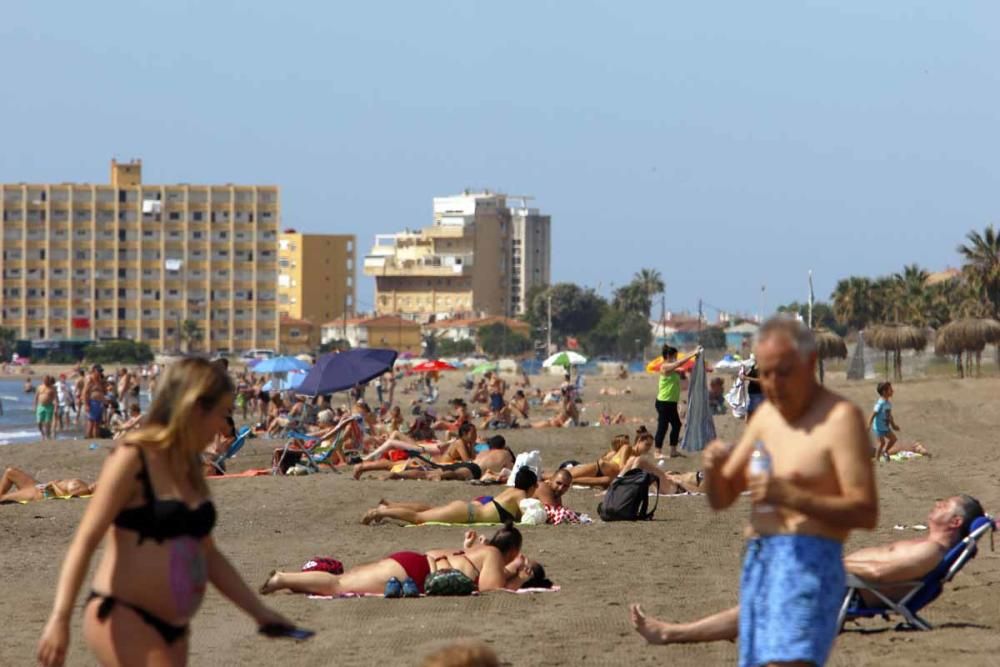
<point x="791" y="590"/>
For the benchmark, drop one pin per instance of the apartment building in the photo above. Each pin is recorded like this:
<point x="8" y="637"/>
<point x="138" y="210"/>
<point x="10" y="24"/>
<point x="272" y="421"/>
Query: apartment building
<point x="133" y="260"/>
<point x="315" y="276"/>
<point x="531" y="250"/>
<point x="460" y="264"/>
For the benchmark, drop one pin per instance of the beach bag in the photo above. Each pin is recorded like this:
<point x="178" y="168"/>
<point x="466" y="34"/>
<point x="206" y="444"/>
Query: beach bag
<point x="448" y="582"/>
<point x="532" y="512"/>
<point x="321" y="564"/>
<point x="532" y="459"/>
<point x="737" y="398"/>
<point x="627" y="498"/>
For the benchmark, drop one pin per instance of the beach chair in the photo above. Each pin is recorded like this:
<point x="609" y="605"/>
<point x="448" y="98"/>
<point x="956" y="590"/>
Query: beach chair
<point x="241" y="439"/>
<point x="921" y="593"/>
<point x="316" y="452"/>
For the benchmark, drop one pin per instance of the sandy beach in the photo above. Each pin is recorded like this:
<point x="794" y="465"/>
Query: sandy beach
<point x="680" y="566"/>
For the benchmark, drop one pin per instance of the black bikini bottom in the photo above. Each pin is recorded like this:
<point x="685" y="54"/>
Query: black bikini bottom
<point x="169" y="632"/>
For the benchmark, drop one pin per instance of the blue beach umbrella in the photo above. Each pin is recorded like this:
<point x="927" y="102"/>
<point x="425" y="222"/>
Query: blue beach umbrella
<point x="340" y="371"/>
<point x="281" y="365"/>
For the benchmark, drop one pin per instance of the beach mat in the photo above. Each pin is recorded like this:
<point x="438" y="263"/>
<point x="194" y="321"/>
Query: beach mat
<point x="252" y="472"/>
<point x="520" y="591"/>
<point x="28" y="502"/>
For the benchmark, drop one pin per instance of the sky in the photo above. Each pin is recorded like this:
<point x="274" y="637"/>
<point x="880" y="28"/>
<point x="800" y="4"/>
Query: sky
<point x="729" y="145"/>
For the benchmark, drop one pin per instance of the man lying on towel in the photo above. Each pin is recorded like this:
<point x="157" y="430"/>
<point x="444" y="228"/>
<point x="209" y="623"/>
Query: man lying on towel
<point x="906" y="560"/>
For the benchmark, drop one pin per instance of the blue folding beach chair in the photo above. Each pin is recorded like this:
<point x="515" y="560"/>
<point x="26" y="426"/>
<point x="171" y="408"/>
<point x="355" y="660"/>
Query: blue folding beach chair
<point x="922" y="592"/>
<point x="219" y="463"/>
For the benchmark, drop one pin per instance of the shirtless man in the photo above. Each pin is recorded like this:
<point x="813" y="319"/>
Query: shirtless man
<point x="907" y="560"/>
<point x="820" y="487"/>
<point x="489" y="463"/>
<point x="18" y="486"/>
<point x="519" y="405"/>
<point x="453" y="451"/>
<point x="45" y="406"/>
<point x="552" y="490"/>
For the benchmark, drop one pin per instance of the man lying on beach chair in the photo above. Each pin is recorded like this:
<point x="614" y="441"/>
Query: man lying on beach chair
<point x="892" y="568"/>
<point x="17" y="486"/>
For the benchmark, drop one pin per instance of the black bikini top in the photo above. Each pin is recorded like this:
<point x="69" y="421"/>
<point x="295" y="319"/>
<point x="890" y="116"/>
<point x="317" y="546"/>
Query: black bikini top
<point x="165" y="519"/>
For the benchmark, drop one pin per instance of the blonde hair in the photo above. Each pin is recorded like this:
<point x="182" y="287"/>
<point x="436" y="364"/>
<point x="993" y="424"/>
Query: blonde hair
<point x="463" y="654"/>
<point x="170" y="424"/>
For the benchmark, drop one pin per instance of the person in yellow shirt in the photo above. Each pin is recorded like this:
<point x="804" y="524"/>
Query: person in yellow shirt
<point x="668" y="394"/>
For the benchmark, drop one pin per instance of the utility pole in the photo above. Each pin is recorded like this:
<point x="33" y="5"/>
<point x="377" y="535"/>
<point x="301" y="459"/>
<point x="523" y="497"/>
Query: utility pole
<point x="344" y="336"/>
<point x="699" y="319"/>
<point x="763" y="298"/>
<point x="548" y="328"/>
<point x="810" y="299"/>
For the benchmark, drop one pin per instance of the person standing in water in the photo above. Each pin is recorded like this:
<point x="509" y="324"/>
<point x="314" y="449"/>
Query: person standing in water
<point x="804" y="457"/>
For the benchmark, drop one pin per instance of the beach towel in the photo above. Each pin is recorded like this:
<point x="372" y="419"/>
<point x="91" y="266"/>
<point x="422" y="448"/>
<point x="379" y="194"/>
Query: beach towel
<point x="25" y="502"/>
<point x="520" y="591"/>
<point x="252" y="472"/>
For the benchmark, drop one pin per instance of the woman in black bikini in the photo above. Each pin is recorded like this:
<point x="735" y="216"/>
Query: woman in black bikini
<point x="500" y="509"/>
<point x="152" y="500"/>
<point x="493" y="564"/>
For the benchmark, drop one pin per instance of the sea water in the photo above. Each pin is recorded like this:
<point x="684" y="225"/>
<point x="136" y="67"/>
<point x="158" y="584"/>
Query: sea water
<point x="17" y="423"/>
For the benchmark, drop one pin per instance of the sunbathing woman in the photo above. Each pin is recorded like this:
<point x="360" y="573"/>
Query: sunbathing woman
<point x="491" y="464"/>
<point x="915" y="447"/>
<point x="604" y="471"/>
<point x="454" y="451"/>
<point x="493" y="564"/>
<point x="17" y="486"/>
<point x="568" y="412"/>
<point x="485" y="509"/>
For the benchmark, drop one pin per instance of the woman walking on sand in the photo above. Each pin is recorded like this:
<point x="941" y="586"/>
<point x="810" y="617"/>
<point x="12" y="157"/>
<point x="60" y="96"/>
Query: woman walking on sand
<point x="152" y="502"/>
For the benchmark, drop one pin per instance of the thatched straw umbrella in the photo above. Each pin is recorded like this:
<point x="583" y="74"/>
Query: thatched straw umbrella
<point x="895" y="338"/>
<point x="967" y="336"/>
<point x="828" y="346"/>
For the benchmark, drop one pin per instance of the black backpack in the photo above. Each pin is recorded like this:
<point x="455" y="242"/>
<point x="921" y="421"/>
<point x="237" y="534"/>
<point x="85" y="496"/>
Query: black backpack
<point x="627" y="498"/>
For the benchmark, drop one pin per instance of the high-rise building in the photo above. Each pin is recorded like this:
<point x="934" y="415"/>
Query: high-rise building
<point x="530" y="254"/>
<point x="462" y="264"/>
<point x="152" y="263"/>
<point x="315" y="276"/>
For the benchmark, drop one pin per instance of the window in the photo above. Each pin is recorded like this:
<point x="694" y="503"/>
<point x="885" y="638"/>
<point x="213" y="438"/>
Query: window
<point x="197" y="216"/>
<point x="174" y="215"/>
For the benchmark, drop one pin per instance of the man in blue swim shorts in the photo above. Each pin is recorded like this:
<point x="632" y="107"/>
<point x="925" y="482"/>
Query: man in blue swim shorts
<point x="804" y="458"/>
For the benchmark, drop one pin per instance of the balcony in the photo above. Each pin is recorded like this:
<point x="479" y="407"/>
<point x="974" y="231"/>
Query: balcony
<point x="432" y="266"/>
<point x="448" y="231"/>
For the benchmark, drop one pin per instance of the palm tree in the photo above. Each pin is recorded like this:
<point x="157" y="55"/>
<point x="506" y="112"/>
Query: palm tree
<point x="852" y="302"/>
<point x="651" y="282"/>
<point x="7" y="338"/>
<point x="191" y="333"/>
<point x="910" y="289"/>
<point x="982" y="263"/>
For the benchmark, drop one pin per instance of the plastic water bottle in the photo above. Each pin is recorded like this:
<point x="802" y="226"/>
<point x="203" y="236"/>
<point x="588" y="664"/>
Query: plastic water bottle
<point x="760" y="465"/>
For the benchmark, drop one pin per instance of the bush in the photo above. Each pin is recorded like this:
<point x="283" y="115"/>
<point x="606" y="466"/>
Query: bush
<point x="453" y="348"/>
<point x="119" y="352"/>
<point x="499" y="340"/>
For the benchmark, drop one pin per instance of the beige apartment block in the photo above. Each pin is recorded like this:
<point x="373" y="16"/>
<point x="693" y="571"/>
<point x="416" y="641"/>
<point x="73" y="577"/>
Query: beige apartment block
<point x="460" y="264"/>
<point x="132" y="260"/>
<point x="316" y="276"/>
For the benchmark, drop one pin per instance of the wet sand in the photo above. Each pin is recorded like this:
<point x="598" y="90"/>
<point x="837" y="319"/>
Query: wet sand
<point x="682" y="565"/>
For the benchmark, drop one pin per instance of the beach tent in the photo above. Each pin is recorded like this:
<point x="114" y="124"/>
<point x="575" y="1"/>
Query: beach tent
<point x="700" y="427"/>
<point x="856" y="369"/>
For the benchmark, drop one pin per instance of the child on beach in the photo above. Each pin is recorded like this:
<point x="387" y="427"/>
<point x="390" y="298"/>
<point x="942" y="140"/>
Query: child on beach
<point x="881" y="422"/>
